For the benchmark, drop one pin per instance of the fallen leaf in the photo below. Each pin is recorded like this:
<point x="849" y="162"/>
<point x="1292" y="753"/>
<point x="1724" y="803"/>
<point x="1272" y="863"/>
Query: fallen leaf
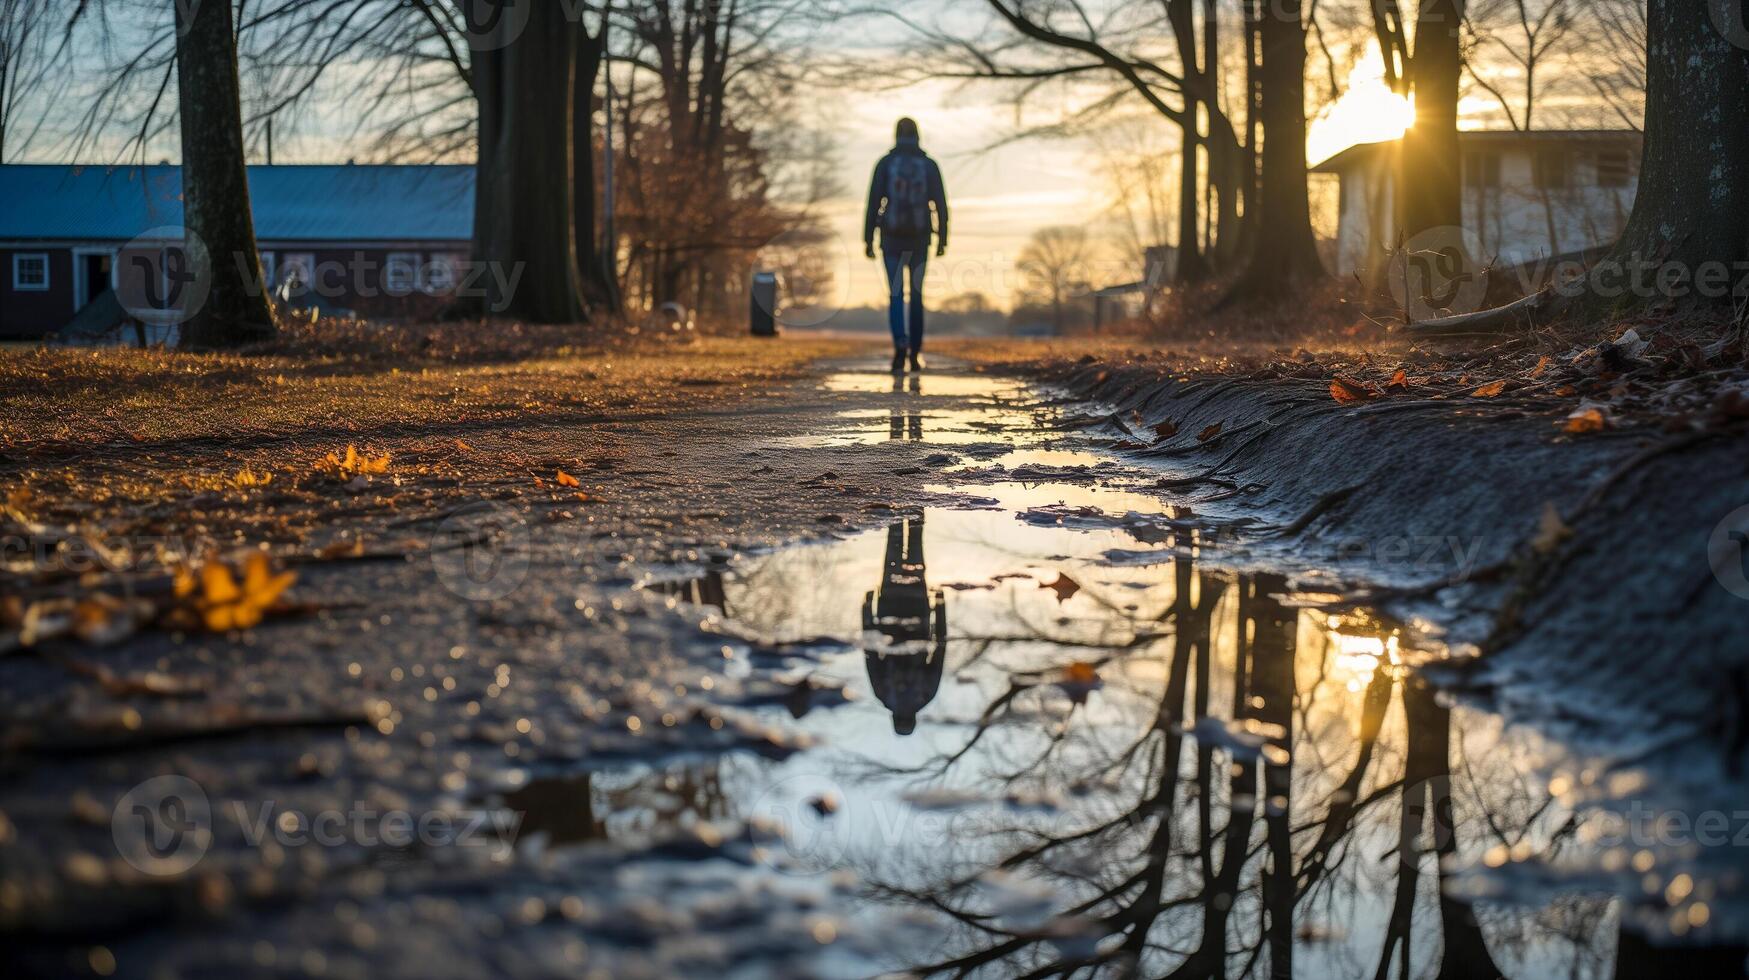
<point x="1166" y="429"/>
<point x="1490" y="390"/>
<point x="1551" y="531"/>
<point x="101" y="619"/>
<point x="1731" y="404"/>
<point x="1065" y="587"/>
<point x="342" y="549"/>
<point x="1078" y="680"/>
<point x="353" y="464"/>
<point x="214" y="599"/>
<point x="1209" y="433"/>
<point x="464" y="447"/>
<point x="247" y="478"/>
<point x="1348" y="392"/>
<point x="1399" y="381"/>
<point x="1586" y="419"/>
<point x="1542" y="367"/>
<point x="566" y="480"/>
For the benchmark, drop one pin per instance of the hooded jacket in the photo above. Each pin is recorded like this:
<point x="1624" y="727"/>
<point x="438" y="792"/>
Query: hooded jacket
<point x="877" y="200"/>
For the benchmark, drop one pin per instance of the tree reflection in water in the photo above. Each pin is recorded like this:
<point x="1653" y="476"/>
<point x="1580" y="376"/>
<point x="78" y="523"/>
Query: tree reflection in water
<point x="1250" y="789"/>
<point x="1319" y="809"/>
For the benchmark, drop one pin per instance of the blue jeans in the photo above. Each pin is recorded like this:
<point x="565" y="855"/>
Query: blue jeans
<point x="897" y="263"/>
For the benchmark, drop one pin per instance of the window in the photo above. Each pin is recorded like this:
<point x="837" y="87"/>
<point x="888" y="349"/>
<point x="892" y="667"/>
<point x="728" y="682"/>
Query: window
<point x="1615" y="168"/>
<point x="401" y="273"/>
<point x="1551" y="169"/>
<point x="1482" y="169"/>
<point x="30" y="272"/>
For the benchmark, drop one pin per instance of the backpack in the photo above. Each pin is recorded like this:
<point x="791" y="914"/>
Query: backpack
<point x="907" y="213"/>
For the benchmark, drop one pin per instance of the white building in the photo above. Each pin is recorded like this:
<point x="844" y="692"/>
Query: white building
<point x="1526" y="196"/>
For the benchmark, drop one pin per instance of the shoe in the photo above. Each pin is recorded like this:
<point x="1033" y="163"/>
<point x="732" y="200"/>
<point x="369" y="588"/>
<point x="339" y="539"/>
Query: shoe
<point x="899" y="362"/>
<point x="916" y="361"/>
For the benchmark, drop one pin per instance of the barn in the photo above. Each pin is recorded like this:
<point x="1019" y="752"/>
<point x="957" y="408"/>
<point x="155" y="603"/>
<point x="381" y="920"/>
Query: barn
<point x="380" y="241"/>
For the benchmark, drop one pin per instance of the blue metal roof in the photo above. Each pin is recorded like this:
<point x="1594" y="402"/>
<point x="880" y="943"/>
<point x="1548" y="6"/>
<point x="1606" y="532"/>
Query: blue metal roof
<point x="342" y="203"/>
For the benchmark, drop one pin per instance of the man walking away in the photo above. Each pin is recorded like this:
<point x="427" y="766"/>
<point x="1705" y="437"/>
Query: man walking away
<point x="906" y="189"/>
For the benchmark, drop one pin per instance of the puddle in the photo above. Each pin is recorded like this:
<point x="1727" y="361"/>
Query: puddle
<point x="1162" y="767"/>
<point x="914" y="424"/>
<point x="937" y="385"/>
<point x="942" y="409"/>
<point x="1073" y="743"/>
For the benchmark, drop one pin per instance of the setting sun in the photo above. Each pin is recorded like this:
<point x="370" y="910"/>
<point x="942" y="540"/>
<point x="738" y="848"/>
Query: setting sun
<point x="1367" y="112"/>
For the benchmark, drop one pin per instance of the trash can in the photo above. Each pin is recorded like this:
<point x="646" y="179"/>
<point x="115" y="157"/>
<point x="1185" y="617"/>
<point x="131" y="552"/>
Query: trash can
<point x="763" y="307"/>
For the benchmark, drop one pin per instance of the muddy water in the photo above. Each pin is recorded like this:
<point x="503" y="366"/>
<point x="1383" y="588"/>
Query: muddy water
<point x="1077" y="738"/>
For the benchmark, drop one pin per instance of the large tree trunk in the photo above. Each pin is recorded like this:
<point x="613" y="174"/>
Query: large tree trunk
<point x="524" y="198"/>
<point x="1285" y="255"/>
<point x="215" y="183"/>
<point x="595" y="263"/>
<point x="1191" y="267"/>
<point x="1430" y="189"/>
<point x="1692" y="207"/>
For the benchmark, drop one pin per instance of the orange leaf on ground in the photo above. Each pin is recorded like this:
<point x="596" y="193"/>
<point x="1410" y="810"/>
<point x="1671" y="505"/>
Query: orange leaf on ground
<point x="1542" y="367"/>
<point x="1585" y="420"/>
<point x="1399" y="380"/>
<point x="1489" y="390"/>
<point x="1209" y="433"/>
<point x="1166" y="429"/>
<point x="221" y="603"/>
<point x="566" y="479"/>
<point x="464" y="447"/>
<point x="1080" y="672"/>
<point x="1348" y="392"/>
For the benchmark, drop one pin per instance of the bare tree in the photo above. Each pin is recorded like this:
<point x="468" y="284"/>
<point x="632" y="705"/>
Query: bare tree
<point x="1614" y="53"/>
<point x="1055" y="263"/>
<point x="27" y="60"/>
<point x="525" y="196"/>
<point x="215" y="182"/>
<point x="1284" y="256"/>
<point x="1528" y="34"/>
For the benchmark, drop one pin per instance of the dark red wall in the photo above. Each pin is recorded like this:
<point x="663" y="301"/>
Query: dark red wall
<point x="27" y="315"/>
<point x="361" y="271"/>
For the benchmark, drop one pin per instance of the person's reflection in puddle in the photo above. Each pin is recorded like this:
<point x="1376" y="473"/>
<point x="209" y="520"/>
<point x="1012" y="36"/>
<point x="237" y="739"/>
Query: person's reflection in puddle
<point x="904" y="627"/>
<point x="907" y="421"/>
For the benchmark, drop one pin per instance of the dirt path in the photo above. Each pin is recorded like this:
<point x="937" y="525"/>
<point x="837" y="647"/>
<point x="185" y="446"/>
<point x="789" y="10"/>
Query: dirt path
<point x="501" y="721"/>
